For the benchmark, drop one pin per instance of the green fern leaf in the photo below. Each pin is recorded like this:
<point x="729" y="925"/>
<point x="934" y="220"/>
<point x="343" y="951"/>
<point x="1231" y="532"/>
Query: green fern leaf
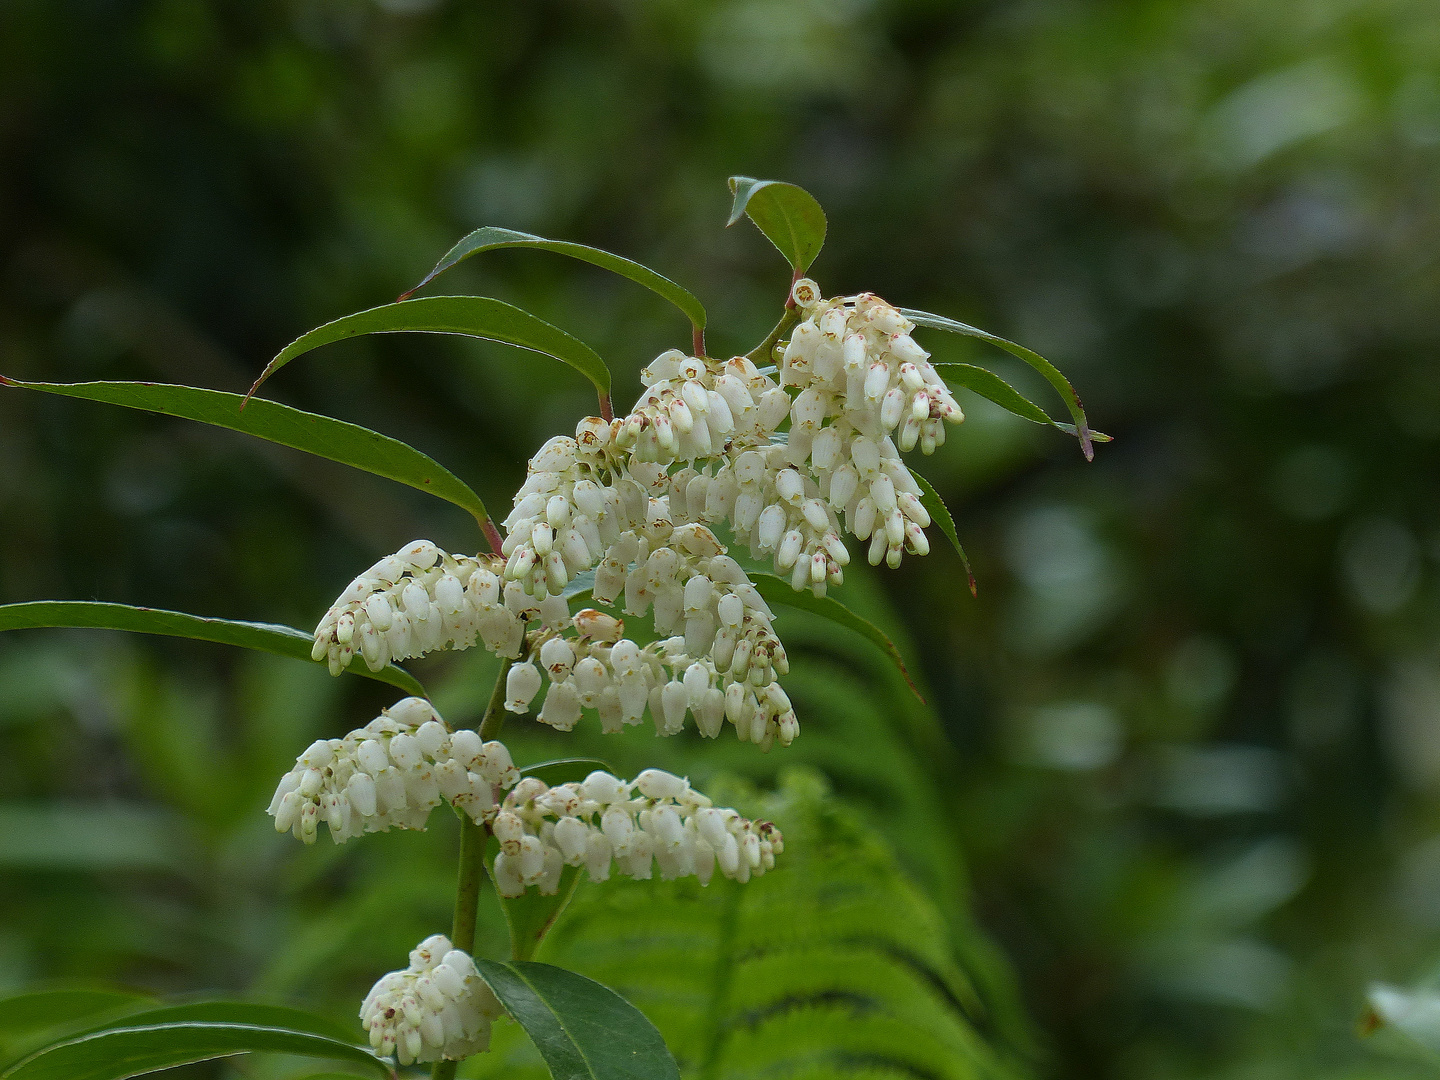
<point x="832" y="966"/>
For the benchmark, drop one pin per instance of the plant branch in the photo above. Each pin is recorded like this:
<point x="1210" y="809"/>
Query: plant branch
<point x="492" y="535"/>
<point x="761" y="352"/>
<point x="473" y="840"/>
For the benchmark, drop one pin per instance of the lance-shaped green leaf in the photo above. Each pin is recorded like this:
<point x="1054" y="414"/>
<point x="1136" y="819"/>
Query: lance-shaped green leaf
<point x="566" y="770"/>
<point x="235" y="1012"/>
<point x="583" y="1030"/>
<point x="265" y="637"/>
<point x="777" y="590"/>
<point x="467" y="316"/>
<point x="119" y="1053"/>
<point x="940" y="515"/>
<point x="1034" y="359"/>
<point x="788" y="215"/>
<point x="31" y="1020"/>
<point x="989" y="385"/>
<point x="491" y="238"/>
<point x="40" y="1009"/>
<point x="323" y="436"/>
<point x="531" y="914"/>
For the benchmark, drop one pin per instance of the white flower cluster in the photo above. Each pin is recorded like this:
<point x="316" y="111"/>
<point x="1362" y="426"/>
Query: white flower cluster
<point x="866" y="392"/>
<point x="656" y="820"/>
<point x="416" y="601"/>
<point x="390" y="774"/>
<point x="436" y="1009"/>
<point x="725" y="665"/>
<point x="611" y="499"/>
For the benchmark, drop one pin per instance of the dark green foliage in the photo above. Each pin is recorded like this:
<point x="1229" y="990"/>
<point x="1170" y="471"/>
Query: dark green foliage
<point x="1216" y="217"/>
<point x="830" y="966"/>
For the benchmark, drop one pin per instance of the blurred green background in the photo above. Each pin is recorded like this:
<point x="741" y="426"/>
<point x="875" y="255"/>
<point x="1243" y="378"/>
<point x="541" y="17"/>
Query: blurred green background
<point x="1184" y="760"/>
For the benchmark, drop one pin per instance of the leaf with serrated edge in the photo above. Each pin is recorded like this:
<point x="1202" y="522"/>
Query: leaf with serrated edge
<point x="777" y="590"/>
<point x="468" y="316"/>
<point x="940" y="515"/>
<point x="583" y="1030"/>
<point x="1034" y="359"/>
<point x="490" y="238"/>
<point x="119" y="1053"/>
<point x="264" y="637"/>
<point x="788" y="215"/>
<point x="323" y="436"/>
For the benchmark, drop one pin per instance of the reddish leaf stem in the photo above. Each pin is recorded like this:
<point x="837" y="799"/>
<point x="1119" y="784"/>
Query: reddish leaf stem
<point x="492" y="536"/>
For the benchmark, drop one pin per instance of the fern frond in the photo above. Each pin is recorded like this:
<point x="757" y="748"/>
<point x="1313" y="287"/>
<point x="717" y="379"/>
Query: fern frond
<point x="832" y="966"/>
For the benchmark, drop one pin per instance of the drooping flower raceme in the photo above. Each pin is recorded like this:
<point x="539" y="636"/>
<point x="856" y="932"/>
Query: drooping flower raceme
<point x="657" y="821"/>
<point x="390" y="774"/>
<point x="417" y="601"/>
<point x="395" y="770"/>
<point x="436" y="1009"/>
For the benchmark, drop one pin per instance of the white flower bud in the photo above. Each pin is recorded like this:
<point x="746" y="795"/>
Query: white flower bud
<point x="604" y="789"/>
<point x="658" y="784"/>
<point x="556" y="656"/>
<point x="521" y="685"/>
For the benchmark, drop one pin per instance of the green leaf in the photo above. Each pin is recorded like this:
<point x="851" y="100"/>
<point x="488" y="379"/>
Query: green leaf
<point x="565" y="770"/>
<point x="40" y="1009"/>
<point x="117" y="1053"/>
<point x="468" y="316"/>
<point x="837" y="964"/>
<point x="580" y="586"/>
<point x="238" y="1012"/>
<point x="777" y="590"/>
<point x="989" y="385"/>
<point x="265" y="637"/>
<point x="490" y="238"/>
<point x="1034" y="359"/>
<point x="583" y="1030"/>
<point x="788" y="215"/>
<point x="323" y="436"/>
<point x="940" y="515"/>
<point x="531" y="914"/>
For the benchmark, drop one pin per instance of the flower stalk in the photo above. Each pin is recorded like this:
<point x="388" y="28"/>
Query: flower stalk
<point x="473" y="841"/>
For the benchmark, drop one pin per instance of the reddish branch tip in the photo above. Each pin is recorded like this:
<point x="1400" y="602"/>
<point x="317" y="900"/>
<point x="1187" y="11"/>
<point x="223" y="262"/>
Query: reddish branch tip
<point x="697" y="341"/>
<point x="8" y="382"/>
<point x="492" y="536"/>
<point x="606" y="411"/>
<point x="790" y="296"/>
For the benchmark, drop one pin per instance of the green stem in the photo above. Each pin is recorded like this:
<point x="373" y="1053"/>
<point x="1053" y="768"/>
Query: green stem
<point x="761" y="352"/>
<point x="473" y="840"/>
